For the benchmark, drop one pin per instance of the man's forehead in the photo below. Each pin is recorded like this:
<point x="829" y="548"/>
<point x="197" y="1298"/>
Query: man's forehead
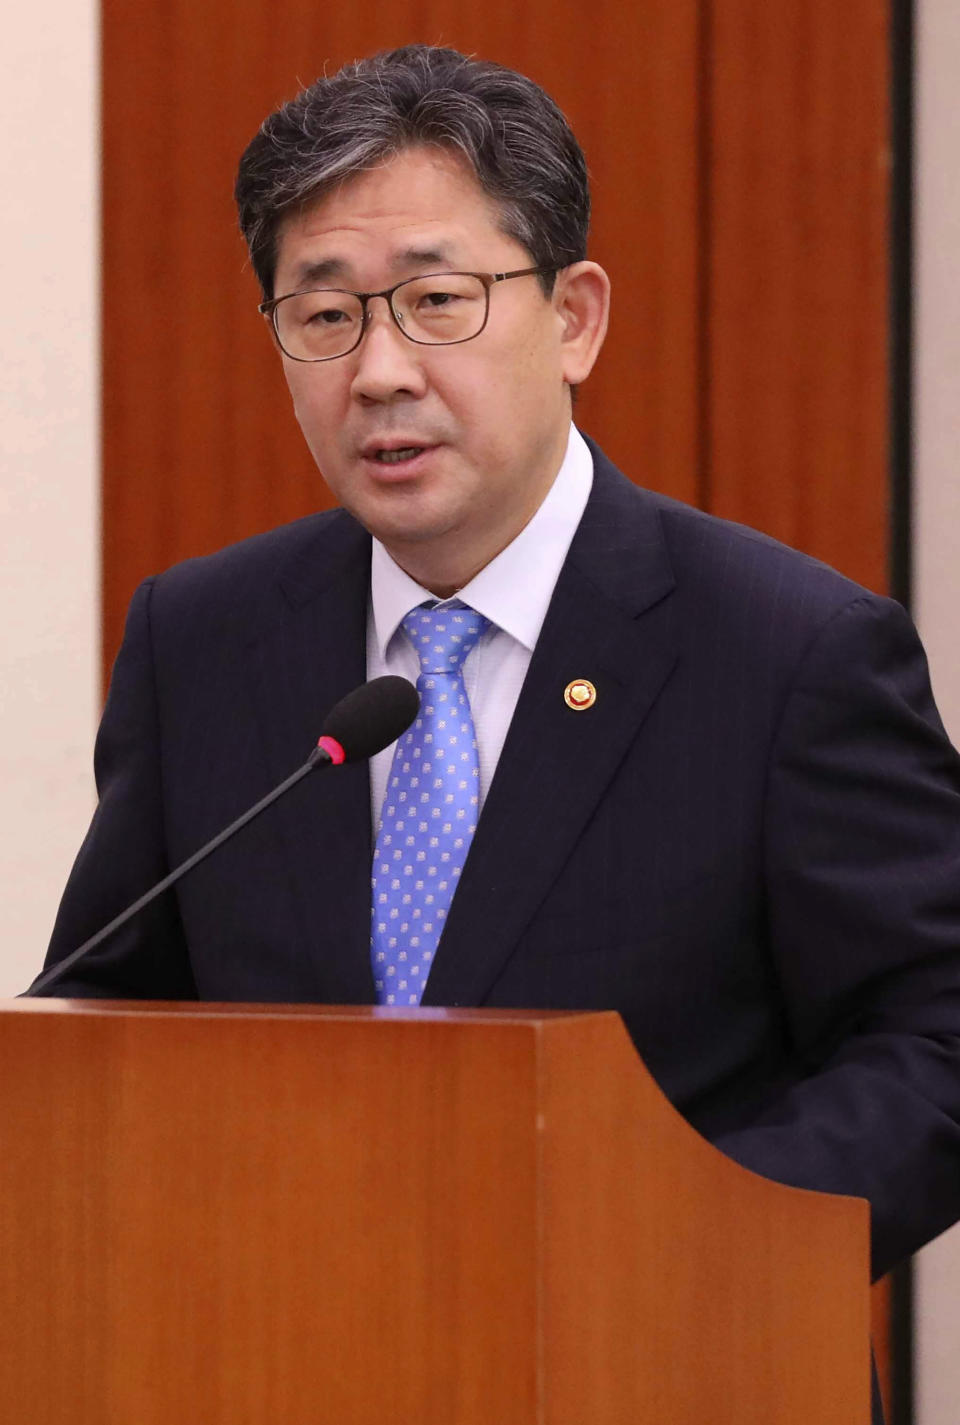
<point x="422" y="209"/>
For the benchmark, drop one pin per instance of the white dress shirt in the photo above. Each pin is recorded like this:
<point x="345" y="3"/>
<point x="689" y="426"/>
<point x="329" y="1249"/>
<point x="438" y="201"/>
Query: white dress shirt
<point x="512" y="591"/>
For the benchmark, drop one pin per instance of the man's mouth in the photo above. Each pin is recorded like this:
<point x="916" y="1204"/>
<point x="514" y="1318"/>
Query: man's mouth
<point x="394" y="457"/>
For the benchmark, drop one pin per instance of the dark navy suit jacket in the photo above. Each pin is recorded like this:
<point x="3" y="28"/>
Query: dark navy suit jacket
<point x="750" y="845"/>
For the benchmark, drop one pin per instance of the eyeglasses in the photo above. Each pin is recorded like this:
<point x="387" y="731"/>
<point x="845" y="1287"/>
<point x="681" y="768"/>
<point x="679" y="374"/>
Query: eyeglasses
<point x="440" y="309"/>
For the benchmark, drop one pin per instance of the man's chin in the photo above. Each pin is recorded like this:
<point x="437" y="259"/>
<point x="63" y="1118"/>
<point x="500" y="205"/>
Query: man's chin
<point x="410" y="533"/>
<point x="401" y="513"/>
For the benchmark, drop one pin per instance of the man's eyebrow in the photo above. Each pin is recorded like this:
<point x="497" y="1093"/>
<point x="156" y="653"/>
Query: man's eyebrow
<point x="436" y="257"/>
<point x="307" y="274"/>
<point x="334" y="269"/>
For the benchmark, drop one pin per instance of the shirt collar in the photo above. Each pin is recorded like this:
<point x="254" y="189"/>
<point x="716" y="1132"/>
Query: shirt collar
<point x="514" y="590"/>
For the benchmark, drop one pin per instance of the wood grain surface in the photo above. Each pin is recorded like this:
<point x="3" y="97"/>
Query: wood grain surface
<point x="253" y="1216"/>
<point x="797" y="239"/>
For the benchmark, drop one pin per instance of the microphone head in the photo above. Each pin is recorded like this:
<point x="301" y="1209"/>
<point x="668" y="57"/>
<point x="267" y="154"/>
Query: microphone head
<point x="372" y="716"/>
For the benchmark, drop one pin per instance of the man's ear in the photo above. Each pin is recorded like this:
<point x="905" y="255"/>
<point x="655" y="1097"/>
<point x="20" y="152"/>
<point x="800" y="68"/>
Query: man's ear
<point x="273" y="332"/>
<point x="582" y="300"/>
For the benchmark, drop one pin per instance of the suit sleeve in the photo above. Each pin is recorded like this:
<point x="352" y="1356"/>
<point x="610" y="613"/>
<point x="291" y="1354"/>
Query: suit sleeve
<point x="124" y="854"/>
<point x="862" y="842"/>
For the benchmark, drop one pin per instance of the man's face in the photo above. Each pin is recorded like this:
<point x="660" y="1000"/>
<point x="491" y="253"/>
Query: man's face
<point x="487" y="420"/>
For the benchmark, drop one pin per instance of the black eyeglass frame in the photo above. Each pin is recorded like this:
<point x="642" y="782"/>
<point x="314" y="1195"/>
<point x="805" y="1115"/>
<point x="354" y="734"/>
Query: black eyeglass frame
<point x="269" y="309"/>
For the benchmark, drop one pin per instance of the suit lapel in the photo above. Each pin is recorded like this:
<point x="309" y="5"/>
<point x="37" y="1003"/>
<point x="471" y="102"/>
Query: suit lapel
<point x="308" y="653"/>
<point x="611" y="620"/>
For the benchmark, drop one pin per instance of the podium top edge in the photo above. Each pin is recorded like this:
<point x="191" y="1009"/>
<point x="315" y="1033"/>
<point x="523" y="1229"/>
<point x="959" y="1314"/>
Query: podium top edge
<point x="166" y="1009"/>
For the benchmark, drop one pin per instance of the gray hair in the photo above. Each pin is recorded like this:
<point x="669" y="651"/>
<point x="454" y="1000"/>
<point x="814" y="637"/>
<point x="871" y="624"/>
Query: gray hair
<point x="513" y="136"/>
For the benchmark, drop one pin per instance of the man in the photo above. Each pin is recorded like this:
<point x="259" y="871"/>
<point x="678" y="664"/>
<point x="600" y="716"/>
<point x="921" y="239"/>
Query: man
<point x="709" y="789"/>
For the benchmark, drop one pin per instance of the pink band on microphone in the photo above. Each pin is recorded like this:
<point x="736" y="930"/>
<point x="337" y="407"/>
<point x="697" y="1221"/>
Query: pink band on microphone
<point x="333" y="750"/>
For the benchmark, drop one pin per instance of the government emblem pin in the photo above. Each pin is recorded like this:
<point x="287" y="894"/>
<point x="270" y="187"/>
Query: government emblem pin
<point x="580" y="694"/>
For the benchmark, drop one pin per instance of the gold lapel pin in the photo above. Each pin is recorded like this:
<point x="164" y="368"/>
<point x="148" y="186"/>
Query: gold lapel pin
<point x="580" y="694"/>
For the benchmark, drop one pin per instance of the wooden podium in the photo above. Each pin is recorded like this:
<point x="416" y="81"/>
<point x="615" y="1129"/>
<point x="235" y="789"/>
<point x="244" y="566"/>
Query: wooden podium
<point x="260" y="1215"/>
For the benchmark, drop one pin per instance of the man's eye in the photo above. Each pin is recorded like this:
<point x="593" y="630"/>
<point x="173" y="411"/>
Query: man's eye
<point x="438" y="299"/>
<point x="327" y="316"/>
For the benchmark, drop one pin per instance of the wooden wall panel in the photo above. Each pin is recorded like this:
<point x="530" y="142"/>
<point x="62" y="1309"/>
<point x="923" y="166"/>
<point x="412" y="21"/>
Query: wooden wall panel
<point x="796" y="252"/>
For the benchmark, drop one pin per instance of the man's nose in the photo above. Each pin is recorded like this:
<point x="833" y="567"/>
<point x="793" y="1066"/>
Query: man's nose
<point x="388" y="364"/>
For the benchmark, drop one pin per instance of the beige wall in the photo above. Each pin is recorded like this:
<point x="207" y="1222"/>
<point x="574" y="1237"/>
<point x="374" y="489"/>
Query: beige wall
<point x="49" y="514"/>
<point x="937" y="447"/>
<point x="937" y="554"/>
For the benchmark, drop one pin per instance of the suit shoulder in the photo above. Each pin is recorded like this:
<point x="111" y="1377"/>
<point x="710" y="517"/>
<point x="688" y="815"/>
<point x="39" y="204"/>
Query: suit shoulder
<point x="722" y="556"/>
<point x="727" y="553"/>
<point x="262" y="554"/>
<point x="202" y="607"/>
<point x="730" y="582"/>
<point x="299" y="556"/>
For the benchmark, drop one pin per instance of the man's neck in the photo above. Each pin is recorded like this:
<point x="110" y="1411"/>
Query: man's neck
<point x="446" y="565"/>
<point x="444" y="572"/>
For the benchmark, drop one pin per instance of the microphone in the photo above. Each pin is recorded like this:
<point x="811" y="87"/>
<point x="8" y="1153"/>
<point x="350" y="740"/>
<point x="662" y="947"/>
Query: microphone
<point x="359" y="726"/>
<point x="368" y="719"/>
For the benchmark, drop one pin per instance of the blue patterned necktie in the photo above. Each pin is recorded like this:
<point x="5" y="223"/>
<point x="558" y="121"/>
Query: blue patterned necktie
<point x="430" y="808"/>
